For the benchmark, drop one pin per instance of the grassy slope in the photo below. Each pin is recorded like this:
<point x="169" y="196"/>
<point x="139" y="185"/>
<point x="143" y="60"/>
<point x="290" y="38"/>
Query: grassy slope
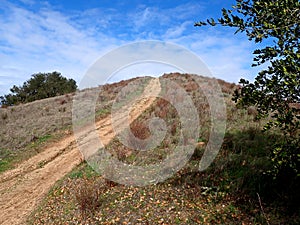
<point x="223" y="194"/>
<point x="229" y="192"/>
<point x="26" y="128"/>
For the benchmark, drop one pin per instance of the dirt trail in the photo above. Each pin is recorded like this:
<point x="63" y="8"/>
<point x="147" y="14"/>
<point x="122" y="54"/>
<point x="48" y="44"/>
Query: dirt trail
<point x="22" y="188"/>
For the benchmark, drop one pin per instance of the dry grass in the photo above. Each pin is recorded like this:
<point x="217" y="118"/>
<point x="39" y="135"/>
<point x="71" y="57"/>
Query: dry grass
<point x="19" y="124"/>
<point x="37" y="119"/>
<point x="87" y="195"/>
<point x="189" y="197"/>
<point x="25" y="128"/>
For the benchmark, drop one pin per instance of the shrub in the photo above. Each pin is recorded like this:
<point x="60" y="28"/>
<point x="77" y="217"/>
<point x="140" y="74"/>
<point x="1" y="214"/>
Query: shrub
<point x="87" y="195"/>
<point x="4" y="116"/>
<point x="40" y="86"/>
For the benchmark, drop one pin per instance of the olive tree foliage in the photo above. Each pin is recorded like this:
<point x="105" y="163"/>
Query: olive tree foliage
<point x="273" y="24"/>
<point x="39" y="86"/>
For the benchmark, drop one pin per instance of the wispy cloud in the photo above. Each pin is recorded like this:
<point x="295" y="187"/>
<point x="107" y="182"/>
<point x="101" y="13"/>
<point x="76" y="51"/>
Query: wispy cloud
<point x="177" y="31"/>
<point x="42" y="38"/>
<point x="155" y="21"/>
<point x="228" y="57"/>
<point x="28" y="2"/>
<point x="44" y="41"/>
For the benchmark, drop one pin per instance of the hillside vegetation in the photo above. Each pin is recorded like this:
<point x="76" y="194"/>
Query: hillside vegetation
<point x="235" y="189"/>
<point x="39" y="86"/>
<point x="25" y="127"/>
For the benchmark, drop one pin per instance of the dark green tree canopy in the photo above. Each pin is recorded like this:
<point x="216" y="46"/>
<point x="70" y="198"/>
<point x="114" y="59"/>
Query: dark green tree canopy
<point x="274" y="25"/>
<point x="39" y="86"/>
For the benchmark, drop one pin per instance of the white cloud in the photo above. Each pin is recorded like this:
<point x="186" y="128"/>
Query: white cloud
<point x="228" y="57"/>
<point x="45" y="39"/>
<point x="28" y="2"/>
<point x="155" y="21"/>
<point x="144" y="18"/>
<point x="177" y="31"/>
<point x="145" y="55"/>
<point x="185" y="10"/>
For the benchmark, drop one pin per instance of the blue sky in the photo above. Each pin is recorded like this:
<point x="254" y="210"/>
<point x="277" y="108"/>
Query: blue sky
<point x="69" y="36"/>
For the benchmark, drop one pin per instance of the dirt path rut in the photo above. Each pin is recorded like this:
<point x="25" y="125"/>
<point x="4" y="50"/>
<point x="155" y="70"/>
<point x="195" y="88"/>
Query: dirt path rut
<point x="22" y="188"/>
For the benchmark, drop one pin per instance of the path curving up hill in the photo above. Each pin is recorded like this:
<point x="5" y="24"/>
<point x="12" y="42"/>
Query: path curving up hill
<point x="22" y="188"/>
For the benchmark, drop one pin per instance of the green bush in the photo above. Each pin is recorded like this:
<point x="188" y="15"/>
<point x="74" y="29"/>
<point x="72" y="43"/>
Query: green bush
<point x="40" y="86"/>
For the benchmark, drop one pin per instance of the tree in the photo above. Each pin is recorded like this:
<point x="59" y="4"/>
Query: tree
<point x="40" y="86"/>
<point x="273" y="24"/>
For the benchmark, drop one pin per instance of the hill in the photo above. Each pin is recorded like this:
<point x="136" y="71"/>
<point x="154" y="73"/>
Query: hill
<point x="232" y="190"/>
